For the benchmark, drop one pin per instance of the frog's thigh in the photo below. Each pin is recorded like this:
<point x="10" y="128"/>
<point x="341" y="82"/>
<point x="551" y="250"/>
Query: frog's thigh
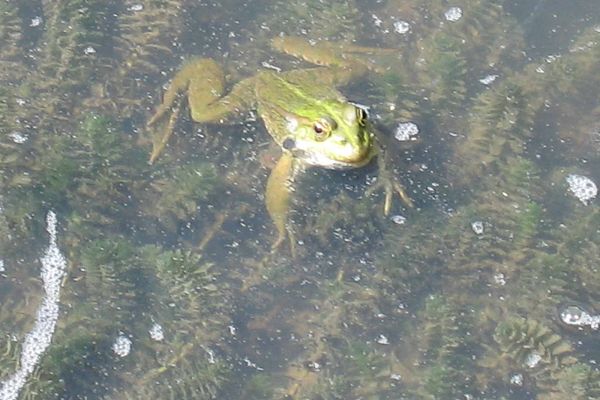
<point x="277" y="196"/>
<point x="206" y="103"/>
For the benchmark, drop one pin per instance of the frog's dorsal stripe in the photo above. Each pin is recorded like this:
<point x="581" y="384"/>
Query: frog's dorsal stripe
<point x="323" y="95"/>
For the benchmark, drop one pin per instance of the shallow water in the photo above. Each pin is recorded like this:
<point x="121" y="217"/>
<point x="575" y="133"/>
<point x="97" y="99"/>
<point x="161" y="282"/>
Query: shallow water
<point x="486" y="289"/>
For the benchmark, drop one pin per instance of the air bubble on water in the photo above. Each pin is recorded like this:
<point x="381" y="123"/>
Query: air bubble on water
<point x="122" y="346"/>
<point x="383" y="340"/>
<point x="533" y="359"/>
<point x="35" y="21"/>
<point x="453" y="14"/>
<point x="406" y="131"/>
<point x="398" y="219"/>
<point x="575" y="316"/>
<point x="488" y="79"/>
<point x="18" y="137"/>
<point x="477" y="227"/>
<point x="500" y="279"/>
<point x="376" y="20"/>
<point x="582" y="187"/>
<point x="516" y="380"/>
<point x="156" y="332"/>
<point x="136" y="7"/>
<point x="401" y="27"/>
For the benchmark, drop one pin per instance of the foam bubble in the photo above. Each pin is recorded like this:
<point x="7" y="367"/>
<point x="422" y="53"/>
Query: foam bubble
<point x="38" y="339"/>
<point x="582" y="187"/>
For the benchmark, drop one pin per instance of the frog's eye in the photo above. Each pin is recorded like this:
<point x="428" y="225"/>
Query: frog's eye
<point x="320" y="131"/>
<point x="323" y="128"/>
<point x="361" y="115"/>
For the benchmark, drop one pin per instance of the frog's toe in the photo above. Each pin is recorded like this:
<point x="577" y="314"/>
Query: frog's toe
<point x="281" y="238"/>
<point x="402" y="194"/>
<point x="391" y="187"/>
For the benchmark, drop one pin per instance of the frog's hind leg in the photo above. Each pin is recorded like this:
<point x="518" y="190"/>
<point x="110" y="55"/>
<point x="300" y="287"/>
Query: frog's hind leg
<point x="277" y="199"/>
<point x="203" y="83"/>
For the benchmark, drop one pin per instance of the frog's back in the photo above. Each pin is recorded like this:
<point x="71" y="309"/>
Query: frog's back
<point x="294" y="90"/>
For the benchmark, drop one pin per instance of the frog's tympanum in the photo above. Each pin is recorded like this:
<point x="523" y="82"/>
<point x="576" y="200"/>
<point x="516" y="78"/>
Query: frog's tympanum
<point x="312" y="122"/>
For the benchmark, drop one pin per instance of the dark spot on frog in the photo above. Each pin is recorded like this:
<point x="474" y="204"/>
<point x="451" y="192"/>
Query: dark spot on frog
<point x="288" y="143"/>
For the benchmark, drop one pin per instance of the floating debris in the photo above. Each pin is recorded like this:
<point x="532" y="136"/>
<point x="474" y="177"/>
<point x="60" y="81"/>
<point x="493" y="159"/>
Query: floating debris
<point x="575" y="316"/>
<point x="477" y="227"/>
<point x="453" y="14"/>
<point x="582" y="187"/>
<point x="38" y="339"/>
<point x="2" y="269"/>
<point x="406" y="131"/>
<point x="401" y="27"/>
<point x="89" y="51"/>
<point x="122" y="346"/>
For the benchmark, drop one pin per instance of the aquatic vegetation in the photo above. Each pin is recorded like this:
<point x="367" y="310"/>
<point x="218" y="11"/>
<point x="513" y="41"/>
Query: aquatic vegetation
<point x="528" y="346"/>
<point x="10" y="351"/>
<point x="578" y="381"/>
<point x="10" y="39"/>
<point x="146" y="34"/>
<point x="190" y="378"/>
<point x="342" y="218"/>
<point x="77" y="32"/>
<point x="182" y="191"/>
<point x="371" y="309"/>
<point x="444" y="67"/>
<point x="503" y="121"/>
<point x="331" y="20"/>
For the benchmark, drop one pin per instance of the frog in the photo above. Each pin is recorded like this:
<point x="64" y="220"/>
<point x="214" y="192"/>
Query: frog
<point x="303" y="110"/>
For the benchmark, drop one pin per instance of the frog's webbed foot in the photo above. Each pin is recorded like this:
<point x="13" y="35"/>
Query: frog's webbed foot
<point x="277" y="199"/>
<point x="390" y="187"/>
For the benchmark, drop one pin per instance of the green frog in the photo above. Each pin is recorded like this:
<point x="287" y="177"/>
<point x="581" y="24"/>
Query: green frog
<point x="312" y="122"/>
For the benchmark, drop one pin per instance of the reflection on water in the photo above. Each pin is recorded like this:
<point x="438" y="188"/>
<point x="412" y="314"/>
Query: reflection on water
<point x="486" y="289"/>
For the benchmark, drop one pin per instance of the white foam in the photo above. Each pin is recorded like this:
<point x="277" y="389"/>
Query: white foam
<point x="582" y="187"/>
<point x="38" y="339"/>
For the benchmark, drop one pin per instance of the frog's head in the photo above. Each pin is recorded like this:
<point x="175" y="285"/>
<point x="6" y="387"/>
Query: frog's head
<point x="335" y="135"/>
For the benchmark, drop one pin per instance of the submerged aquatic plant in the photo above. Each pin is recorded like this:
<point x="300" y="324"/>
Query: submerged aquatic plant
<point x="528" y="346"/>
<point x="445" y="69"/>
<point x="331" y="20"/>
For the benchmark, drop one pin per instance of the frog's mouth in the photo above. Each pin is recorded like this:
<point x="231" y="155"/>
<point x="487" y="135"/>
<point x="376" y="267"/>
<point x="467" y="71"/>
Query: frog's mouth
<point x="336" y="157"/>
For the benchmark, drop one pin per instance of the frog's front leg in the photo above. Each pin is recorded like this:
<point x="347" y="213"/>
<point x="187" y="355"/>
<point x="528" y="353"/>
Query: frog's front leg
<point x="202" y="81"/>
<point x="277" y="199"/>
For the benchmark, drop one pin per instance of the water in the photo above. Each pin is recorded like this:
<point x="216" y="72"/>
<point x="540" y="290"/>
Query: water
<point x="171" y="290"/>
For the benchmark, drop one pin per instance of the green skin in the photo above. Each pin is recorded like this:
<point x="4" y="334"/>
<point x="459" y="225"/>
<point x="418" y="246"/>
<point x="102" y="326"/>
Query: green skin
<point x="311" y="121"/>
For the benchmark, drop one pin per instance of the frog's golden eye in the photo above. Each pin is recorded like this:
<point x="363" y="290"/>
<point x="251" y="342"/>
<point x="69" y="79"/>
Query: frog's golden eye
<point x="361" y="115"/>
<point x="323" y="128"/>
<point x="320" y="131"/>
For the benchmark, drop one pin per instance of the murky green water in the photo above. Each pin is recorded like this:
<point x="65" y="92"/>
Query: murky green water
<point x="487" y="289"/>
